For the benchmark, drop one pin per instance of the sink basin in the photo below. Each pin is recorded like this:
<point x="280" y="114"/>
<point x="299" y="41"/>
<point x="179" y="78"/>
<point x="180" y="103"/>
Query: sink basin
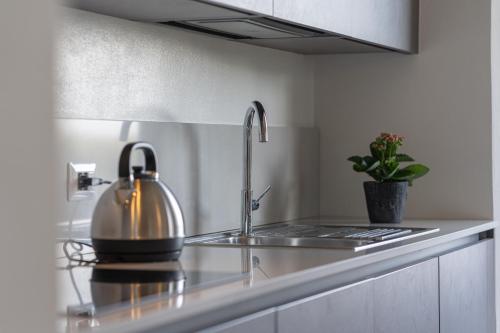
<point x="283" y="241"/>
<point x="356" y="238"/>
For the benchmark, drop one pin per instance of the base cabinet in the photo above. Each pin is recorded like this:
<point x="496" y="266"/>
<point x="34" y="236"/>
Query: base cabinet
<point x="260" y="322"/>
<point x="467" y="293"/>
<point x="452" y="293"/>
<point x="402" y="301"/>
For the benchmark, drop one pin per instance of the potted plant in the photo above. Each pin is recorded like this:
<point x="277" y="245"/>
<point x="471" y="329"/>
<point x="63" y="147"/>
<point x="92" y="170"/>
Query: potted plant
<point x="386" y="195"/>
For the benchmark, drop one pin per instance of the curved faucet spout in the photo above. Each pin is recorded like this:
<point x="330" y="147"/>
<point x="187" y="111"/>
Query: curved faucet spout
<point x="261" y="113"/>
<point x="246" y="206"/>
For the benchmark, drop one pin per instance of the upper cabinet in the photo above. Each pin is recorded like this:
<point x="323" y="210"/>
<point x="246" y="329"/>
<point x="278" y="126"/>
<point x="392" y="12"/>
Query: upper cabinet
<point x="258" y="6"/>
<point x="301" y="26"/>
<point x="388" y="23"/>
<point x="157" y="10"/>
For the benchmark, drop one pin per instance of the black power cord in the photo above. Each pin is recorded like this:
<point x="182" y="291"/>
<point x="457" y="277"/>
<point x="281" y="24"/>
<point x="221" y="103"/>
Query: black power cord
<point x="85" y="181"/>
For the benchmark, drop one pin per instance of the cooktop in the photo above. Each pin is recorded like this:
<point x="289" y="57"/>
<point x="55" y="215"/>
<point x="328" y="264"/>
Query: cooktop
<point x="99" y="289"/>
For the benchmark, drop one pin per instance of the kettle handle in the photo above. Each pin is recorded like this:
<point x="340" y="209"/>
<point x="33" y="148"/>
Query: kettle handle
<point x="149" y="154"/>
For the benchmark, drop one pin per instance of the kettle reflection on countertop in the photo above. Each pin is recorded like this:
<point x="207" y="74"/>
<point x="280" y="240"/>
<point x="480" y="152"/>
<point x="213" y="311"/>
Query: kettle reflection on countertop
<point x="127" y="288"/>
<point x="135" y="287"/>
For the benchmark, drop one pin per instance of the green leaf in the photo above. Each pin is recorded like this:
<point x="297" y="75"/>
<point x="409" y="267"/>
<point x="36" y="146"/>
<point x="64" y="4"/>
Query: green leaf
<point x="375" y="176"/>
<point x="358" y="168"/>
<point x="418" y="170"/>
<point x="393" y="172"/>
<point x="359" y="163"/>
<point x="404" y="158"/>
<point x="373" y="166"/>
<point x="369" y="159"/>
<point x="391" y="149"/>
<point x="371" y="163"/>
<point x="402" y="175"/>
<point x="356" y="159"/>
<point x="410" y="173"/>
<point x="375" y="153"/>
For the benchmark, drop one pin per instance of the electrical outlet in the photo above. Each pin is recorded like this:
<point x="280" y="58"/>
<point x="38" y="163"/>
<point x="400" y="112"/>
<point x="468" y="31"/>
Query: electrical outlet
<point x="74" y="189"/>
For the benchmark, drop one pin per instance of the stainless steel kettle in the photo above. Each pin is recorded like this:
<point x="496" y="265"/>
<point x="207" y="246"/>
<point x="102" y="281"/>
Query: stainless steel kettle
<point x="137" y="218"/>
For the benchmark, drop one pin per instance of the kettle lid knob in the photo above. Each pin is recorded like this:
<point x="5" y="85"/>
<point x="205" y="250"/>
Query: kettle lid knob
<point x="137" y="169"/>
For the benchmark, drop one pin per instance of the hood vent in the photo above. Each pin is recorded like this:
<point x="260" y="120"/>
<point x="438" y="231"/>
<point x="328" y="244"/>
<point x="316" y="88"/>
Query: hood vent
<point x="248" y="28"/>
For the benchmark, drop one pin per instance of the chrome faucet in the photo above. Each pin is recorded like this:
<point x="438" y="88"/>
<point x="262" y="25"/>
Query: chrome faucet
<point x="248" y="205"/>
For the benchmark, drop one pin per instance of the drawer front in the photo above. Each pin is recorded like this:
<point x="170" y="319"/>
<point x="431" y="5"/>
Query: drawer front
<point x="408" y="300"/>
<point x="344" y="310"/>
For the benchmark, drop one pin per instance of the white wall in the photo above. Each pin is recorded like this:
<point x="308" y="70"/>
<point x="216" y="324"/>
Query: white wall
<point x="495" y="89"/>
<point x="27" y="245"/>
<point x="439" y="99"/>
<point x="202" y="164"/>
<point x="110" y="68"/>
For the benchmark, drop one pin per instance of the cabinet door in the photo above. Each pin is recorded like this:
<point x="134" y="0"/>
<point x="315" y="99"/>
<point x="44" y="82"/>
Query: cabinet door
<point x="157" y="11"/>
<point x="407" y="300"/>
<point x="467" y="289"/>
<point x="257" y="6"/>
<point x="393" y="23"/>
<point x="322" y="14"/>
<point x="261" y="322"/>
<point x="343" y="310"/>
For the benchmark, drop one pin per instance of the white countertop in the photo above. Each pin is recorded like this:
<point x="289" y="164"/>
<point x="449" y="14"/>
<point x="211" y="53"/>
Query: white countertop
<point x="278" y="272"/>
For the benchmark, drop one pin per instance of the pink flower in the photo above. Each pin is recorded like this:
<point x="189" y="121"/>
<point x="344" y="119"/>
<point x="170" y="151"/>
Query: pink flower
<point x="391" y="138"/>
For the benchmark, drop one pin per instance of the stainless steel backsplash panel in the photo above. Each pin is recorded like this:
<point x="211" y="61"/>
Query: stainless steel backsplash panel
<point x="202" y="164"/>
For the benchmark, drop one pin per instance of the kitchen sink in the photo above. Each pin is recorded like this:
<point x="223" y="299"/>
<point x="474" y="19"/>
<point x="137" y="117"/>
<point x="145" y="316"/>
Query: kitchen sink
<point x="357" y="238"/>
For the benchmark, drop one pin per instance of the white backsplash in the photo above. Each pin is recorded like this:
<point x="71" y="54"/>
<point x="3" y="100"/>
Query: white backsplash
<point x="202" y="164"/>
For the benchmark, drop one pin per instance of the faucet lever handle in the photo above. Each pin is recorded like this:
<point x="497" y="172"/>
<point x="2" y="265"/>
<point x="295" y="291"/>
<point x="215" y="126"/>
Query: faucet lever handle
<point x="256" y="202"/>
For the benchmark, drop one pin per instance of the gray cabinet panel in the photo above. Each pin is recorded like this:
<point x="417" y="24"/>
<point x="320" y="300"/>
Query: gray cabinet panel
<point x="408" y="300"/>
<point x="261" y="322"/>
<point x="391" y="23"/>
<point x="323" y="14"/>
<point x="258" y="6"/>
<point x="467" y="289"/>
<point x="156" y="10"/>
<point x="344" y="310"/>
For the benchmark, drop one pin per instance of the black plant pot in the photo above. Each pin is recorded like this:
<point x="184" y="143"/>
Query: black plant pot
<point x="385" y="201"/>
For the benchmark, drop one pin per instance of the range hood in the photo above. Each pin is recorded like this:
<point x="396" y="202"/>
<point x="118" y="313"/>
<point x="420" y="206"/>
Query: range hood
<point x="246" y="22"/>
<point x="248" y="28"/>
